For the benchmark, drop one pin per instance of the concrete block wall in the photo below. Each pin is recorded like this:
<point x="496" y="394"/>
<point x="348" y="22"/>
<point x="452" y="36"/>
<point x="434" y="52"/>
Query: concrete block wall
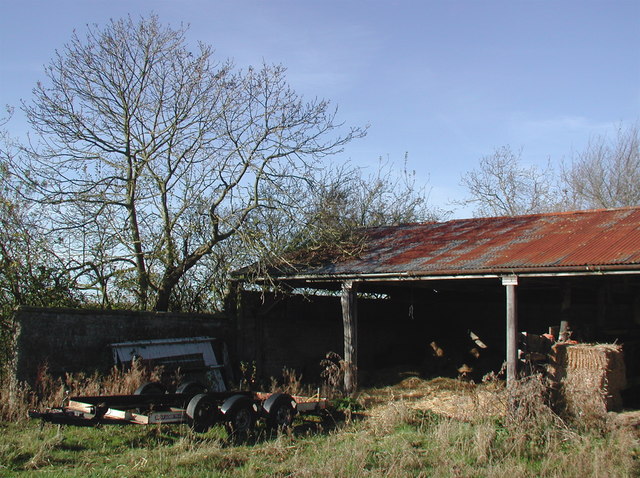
<point x="73" y="340"/>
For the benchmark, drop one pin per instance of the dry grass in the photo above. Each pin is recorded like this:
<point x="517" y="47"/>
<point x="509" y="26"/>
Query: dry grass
<point x="291" y="383"/>
<point x="487" y="430"/>
<point x="441" y="427"/>
<point x="447" y="397"/>
<point x="16" y="399"/>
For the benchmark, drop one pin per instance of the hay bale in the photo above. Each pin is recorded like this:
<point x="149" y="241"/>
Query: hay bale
<point x="589" y="377"/>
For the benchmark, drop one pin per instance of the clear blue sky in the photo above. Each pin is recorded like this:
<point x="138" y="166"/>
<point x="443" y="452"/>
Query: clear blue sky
<point x="444" y="81"/>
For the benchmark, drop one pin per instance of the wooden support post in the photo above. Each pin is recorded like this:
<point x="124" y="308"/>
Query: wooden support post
<point x="350" y="324"/>
<point x="511" y="283"/>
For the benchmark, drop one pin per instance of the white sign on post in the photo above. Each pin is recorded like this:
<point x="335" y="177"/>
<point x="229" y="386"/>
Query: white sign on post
<point x="510" y="280"/>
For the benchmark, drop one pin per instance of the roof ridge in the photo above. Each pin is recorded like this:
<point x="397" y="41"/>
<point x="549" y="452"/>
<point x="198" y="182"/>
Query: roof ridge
<point x="536" y="214"/>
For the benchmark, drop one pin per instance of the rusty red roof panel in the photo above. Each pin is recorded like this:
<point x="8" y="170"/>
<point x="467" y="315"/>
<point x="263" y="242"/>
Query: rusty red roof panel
<point x="558" y="241"/>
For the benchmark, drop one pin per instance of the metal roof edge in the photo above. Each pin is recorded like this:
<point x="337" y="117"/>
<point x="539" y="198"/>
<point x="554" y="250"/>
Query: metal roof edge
<point x="480" y="274"/>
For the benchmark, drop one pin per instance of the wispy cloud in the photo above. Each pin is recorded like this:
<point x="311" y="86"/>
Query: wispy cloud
<point x="572" y="125"/>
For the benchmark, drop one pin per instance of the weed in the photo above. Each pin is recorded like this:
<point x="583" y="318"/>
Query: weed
<point x="333" y="370"/>
<point x="248" y="374"/>
<point x="347" y="403"/>
<point x="290" y="383"/>
<point x="16" y="398"/>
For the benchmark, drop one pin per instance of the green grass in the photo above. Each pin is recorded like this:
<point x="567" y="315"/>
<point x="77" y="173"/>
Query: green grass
<point x="402" y="443"/>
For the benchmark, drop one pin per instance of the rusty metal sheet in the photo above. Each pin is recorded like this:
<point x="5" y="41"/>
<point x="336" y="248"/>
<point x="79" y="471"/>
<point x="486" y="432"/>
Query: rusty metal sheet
<point x="590" y="239"/>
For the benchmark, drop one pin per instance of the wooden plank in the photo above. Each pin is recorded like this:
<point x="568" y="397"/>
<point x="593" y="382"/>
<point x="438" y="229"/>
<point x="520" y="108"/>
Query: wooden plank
<point x="81" y="407"/>
<point x="115" y="414"/>
<point x="350" y="325"/>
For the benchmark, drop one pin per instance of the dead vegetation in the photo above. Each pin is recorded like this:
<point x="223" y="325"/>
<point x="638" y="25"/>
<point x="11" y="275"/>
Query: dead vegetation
<point x="440" y="427"/>
<point x="17" y="398"/>
<point x="445" y="396"/>
<point x="531" y="404"/>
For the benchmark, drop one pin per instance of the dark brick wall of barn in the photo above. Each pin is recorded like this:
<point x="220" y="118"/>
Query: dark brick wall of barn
<point x="74" y="340"/>
<point x="276" y="332"/>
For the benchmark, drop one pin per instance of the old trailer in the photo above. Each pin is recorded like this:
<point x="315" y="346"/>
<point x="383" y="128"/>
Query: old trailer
<point x="238" y="411"/>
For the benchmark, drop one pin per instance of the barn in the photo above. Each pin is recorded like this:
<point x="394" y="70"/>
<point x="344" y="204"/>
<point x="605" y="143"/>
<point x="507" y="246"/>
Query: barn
<point x="410" y="292"/>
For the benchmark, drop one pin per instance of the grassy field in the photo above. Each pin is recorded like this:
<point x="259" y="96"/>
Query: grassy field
<point x="400" y="432"/>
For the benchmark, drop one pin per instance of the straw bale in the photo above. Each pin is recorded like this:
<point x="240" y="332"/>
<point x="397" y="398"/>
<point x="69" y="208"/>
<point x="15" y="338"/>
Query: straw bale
<point x="591" y="377"/>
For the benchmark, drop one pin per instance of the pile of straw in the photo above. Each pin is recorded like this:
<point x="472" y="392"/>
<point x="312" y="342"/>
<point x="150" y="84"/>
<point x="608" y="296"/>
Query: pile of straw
<point x="589" y="378"/>
<point x="443" y="396"/>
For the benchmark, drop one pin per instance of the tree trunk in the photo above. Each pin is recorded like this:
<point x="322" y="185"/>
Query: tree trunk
<point x="172" y="276"/>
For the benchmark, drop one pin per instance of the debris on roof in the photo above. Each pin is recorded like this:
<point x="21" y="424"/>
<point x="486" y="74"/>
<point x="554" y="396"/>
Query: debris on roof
<point x="582" y="240"/>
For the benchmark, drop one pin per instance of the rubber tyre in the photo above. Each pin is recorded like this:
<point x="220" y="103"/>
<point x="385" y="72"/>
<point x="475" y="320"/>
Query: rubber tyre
<point x="191" y="388"/>
<point x="202" y="412"/>
<point x="239" y="416"/>
<point x="280" y="410"/>
<point x="151" y="388"/>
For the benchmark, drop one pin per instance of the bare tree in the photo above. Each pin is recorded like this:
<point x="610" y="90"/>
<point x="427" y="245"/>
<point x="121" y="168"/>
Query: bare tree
<point x="339" y="204"/>
<point x="345" y="199"/>
<point x="607" y="173"/>
<point x="150" y="155"/>
<point x="502" y="186"/>
<point x="29" y="273"/>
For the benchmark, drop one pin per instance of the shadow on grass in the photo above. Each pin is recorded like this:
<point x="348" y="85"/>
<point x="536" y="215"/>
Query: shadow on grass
<point x="322" y="423"/>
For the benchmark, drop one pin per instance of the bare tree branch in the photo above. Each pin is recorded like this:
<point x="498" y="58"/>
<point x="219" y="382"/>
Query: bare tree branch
<point x="501" y="186"/>
<point x="152" y="154"/>
<point x="607" y="173"/>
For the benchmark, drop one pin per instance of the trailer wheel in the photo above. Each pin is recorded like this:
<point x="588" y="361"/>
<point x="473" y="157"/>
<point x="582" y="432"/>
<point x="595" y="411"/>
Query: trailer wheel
<point x="151" y="388"/>
<point x="202" y="412"/>
<point x="239" y="416"/>
<point x="191" y="388"/>
<point x="280" y="409"/>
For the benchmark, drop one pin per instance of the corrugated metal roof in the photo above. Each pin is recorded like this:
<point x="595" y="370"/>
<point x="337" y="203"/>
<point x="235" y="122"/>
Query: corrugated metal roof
<point x="582" y="240"/>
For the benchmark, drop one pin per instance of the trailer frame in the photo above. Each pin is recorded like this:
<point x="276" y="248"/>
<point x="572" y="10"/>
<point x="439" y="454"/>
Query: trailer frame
<point x="238" y="411"/>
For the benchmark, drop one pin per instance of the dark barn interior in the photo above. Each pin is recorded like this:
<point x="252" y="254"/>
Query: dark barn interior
<point x="424" y="325"/>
